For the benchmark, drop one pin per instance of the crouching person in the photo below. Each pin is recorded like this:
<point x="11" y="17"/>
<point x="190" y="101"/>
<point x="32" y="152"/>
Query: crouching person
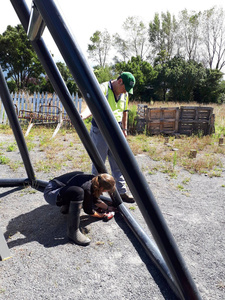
<point x="73" y="191"/>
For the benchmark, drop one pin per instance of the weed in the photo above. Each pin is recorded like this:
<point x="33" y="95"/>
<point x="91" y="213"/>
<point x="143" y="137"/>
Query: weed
<point x="11" y="147"/>
<point x="186" y="180"/>
<point x="151" y="172"/>
<point x="15" y="165"/>
<point x="4" y="160"/>
<point x="30" y="146"/>
<point x="174" y="159"/>
<point x="180" y="187"/>
<point x="132" y="208"/>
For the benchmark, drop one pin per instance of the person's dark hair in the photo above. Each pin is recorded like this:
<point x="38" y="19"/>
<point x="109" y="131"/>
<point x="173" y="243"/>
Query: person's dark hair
<point x="105" y="181"/>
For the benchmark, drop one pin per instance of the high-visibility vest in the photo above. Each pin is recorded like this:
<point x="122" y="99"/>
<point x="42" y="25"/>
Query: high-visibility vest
<point x="118" y="107"/>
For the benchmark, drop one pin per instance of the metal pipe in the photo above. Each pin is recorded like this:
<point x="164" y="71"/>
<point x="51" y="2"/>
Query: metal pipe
<point x="60" y="87"/>
<point x="101" y="111"/>
<point x="36" y="25"/>
<point x="11" y="113"/>
<point x="14" y="182"/>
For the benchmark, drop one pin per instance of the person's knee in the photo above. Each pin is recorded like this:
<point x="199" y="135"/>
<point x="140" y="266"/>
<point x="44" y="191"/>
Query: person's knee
<point x="68" y="194"/>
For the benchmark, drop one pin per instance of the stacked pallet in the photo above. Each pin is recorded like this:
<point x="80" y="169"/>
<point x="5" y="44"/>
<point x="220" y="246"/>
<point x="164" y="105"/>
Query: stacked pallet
<point x="174" y="120"/>
<point x="162" y="120"/>
<point x="195" y="120"/>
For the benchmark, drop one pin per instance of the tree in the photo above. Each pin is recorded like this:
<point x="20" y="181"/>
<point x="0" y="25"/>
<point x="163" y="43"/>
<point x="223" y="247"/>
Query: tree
<point x="161" y="86"/>
<point x="17" y="57"/>
<point x="121" y="46"/>
<point x="209" y="89"/>
<point x="99" y="49"/>
<point x="213" y="37"/>
<point x="183" y="78"/>
<point x="135" y="42"/>
<point x="103" y="74"/>
<point x="144" y="75"/>
<point x="67" y="77"/>
<point x="189" y="34"/>
<point x="162" y="33"/>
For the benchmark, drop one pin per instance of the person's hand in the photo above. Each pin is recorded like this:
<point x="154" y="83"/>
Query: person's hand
<point x="98" y="215"/>
<point x="125" y="132"/>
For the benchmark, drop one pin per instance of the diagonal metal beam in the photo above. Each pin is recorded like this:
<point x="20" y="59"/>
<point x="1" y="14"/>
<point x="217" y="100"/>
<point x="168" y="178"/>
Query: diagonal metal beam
<point x="101" y="111"/>
<point x="89" y="87"/>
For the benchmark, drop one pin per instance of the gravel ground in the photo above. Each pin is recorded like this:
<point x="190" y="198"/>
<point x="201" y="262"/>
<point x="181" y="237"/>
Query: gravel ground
<point x="45" y="265"/>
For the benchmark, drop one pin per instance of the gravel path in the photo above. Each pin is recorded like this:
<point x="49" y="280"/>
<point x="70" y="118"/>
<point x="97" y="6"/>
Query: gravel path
<point x="44" y="265"/>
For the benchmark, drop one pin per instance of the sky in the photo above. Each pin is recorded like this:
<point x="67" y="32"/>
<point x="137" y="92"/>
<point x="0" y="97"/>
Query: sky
<point x="85" y="17"/>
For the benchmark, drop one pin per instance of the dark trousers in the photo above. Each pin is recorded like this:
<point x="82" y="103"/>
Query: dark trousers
<point x="69" y="193"/>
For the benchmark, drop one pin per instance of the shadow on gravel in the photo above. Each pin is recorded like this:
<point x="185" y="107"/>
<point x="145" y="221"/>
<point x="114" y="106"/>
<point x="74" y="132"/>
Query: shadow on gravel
<point x="164" y="288"/>
<point x="45" y="225"/>
<point x="2" y="195"/>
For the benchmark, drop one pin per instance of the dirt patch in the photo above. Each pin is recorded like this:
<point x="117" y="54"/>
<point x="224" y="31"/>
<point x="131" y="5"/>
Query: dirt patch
<point x="44" y="265"/>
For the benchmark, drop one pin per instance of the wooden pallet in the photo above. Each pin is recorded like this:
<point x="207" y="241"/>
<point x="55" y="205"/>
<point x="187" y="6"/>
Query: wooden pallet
<point x="195" y="120"/>
<point x="162" y="120"/>
<point x="172" y="120"/>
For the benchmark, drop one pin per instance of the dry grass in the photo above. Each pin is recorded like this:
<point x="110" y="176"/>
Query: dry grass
<point x="66" y="150"/>
<point x="210" y="156"/>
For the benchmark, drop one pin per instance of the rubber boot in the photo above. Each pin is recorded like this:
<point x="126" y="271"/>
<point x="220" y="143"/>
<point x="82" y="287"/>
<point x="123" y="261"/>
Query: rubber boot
<point x="73" y="222"/>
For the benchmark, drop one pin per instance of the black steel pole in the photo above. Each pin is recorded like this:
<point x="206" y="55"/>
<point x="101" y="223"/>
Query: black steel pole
<point x="11" y="113"/>
<point x="14" y="182"/>
<point x="60" y="87"/>
<point x="100" y="109"/>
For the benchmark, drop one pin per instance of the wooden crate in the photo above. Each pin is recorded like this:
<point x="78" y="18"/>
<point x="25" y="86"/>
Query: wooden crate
<point x="196" y="119"/>
<point x="195" y="113"/>
<point x="162" y="120"/>
<point x="194" y="127"/>
<point x="171" y="120"/>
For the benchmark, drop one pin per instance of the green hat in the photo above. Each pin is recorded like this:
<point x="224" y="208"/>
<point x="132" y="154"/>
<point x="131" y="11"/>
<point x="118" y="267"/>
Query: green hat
<point x="129" y="81"/>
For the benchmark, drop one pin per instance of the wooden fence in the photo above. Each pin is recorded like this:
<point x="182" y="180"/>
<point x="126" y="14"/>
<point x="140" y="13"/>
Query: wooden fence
<point x="25" y="105"/>
<point x="174" y="120"/>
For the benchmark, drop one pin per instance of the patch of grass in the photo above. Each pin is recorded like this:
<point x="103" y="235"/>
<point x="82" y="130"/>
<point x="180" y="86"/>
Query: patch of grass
<point x="186" y="180"/>
<point x="60" y="150"/>
<point x="15" y="165"/>
<point x="5" y="129"/>
<point x="132" y="208"/>
<point x="169" y="171"/>
<point x="2" y="145"/>
<point x="151" y="172"/>
<point x="180" y="187"/>
<point x="4" y="160"/>
<point x="11" y="147"/>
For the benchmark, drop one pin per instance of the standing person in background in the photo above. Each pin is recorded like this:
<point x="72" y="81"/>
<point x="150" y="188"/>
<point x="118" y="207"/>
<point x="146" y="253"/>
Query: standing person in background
<point x="116" y="92"/>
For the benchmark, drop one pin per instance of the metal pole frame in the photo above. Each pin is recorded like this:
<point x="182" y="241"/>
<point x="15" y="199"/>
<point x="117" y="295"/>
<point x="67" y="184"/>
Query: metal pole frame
<point x="60" y="87"/>
<point x="14" y="122"/>
<point x="100" y="109"/>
